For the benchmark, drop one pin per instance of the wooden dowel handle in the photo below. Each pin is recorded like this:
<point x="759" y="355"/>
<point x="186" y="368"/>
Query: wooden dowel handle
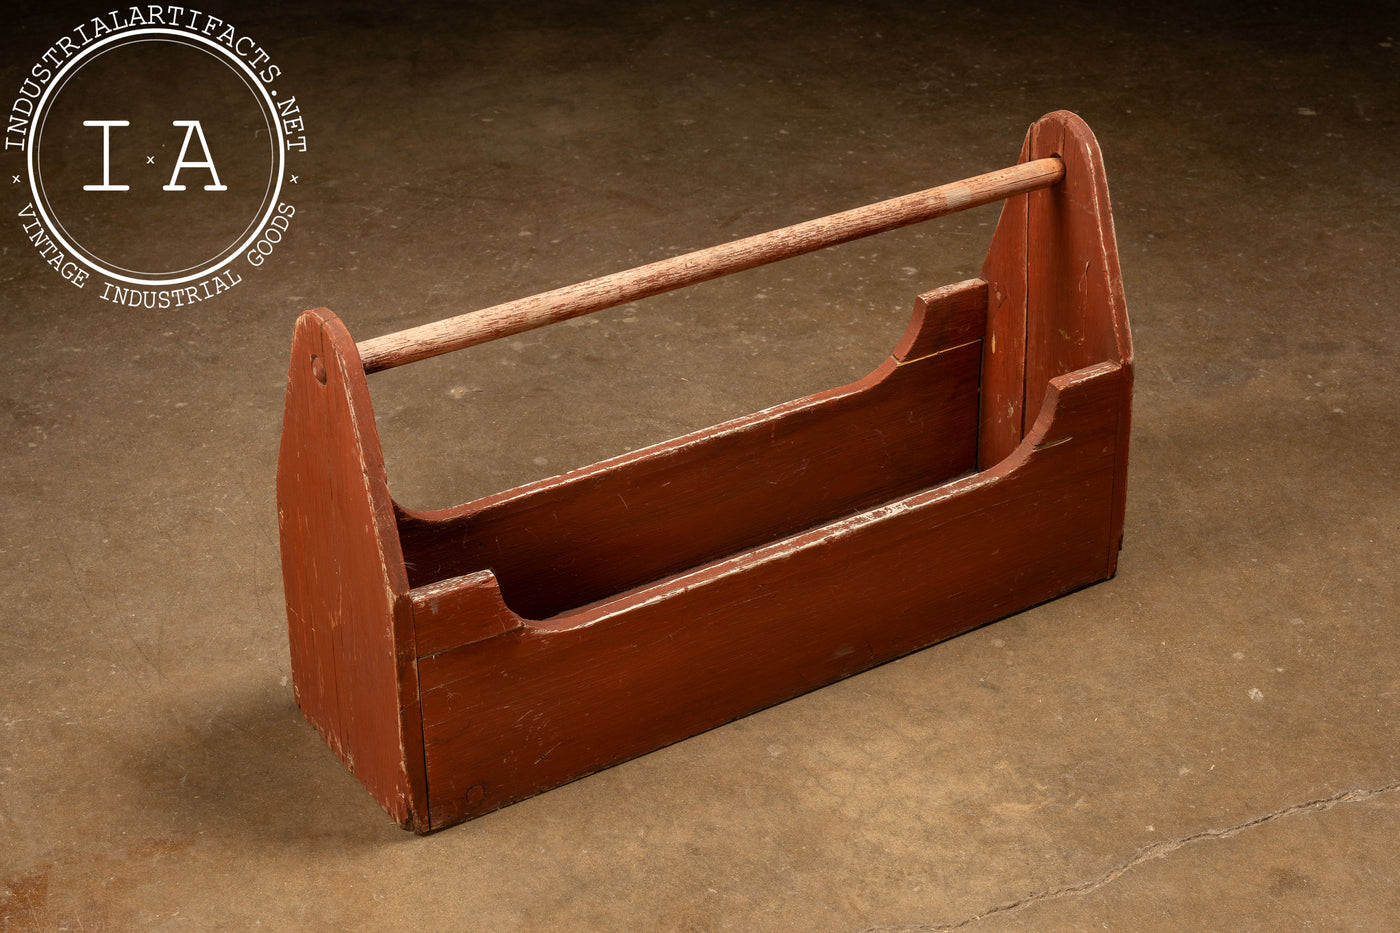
<point x="514" y="317"/>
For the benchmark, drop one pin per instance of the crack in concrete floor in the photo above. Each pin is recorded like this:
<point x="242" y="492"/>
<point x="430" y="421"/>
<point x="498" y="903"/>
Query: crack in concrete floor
<point x="1146" y="854"/>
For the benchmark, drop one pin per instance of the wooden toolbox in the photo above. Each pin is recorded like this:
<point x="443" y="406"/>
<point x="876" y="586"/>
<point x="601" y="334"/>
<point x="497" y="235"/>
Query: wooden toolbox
<point x="462" y="659"/>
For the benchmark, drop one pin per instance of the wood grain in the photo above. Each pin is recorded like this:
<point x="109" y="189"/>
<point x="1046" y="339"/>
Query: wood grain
<point x="524" y="314"/>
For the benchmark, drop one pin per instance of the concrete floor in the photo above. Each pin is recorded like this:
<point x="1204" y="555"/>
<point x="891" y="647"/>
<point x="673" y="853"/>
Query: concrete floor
<point x="1208" y="741"/>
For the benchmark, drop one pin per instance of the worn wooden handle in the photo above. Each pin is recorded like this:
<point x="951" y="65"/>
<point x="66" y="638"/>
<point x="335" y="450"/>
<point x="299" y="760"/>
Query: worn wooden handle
<point x="514" y="317"/>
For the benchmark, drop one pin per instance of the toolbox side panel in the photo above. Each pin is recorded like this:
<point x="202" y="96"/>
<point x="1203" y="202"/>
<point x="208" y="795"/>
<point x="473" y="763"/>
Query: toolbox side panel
<point x="524" y="711"/>
<point x="348" y="614"/>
